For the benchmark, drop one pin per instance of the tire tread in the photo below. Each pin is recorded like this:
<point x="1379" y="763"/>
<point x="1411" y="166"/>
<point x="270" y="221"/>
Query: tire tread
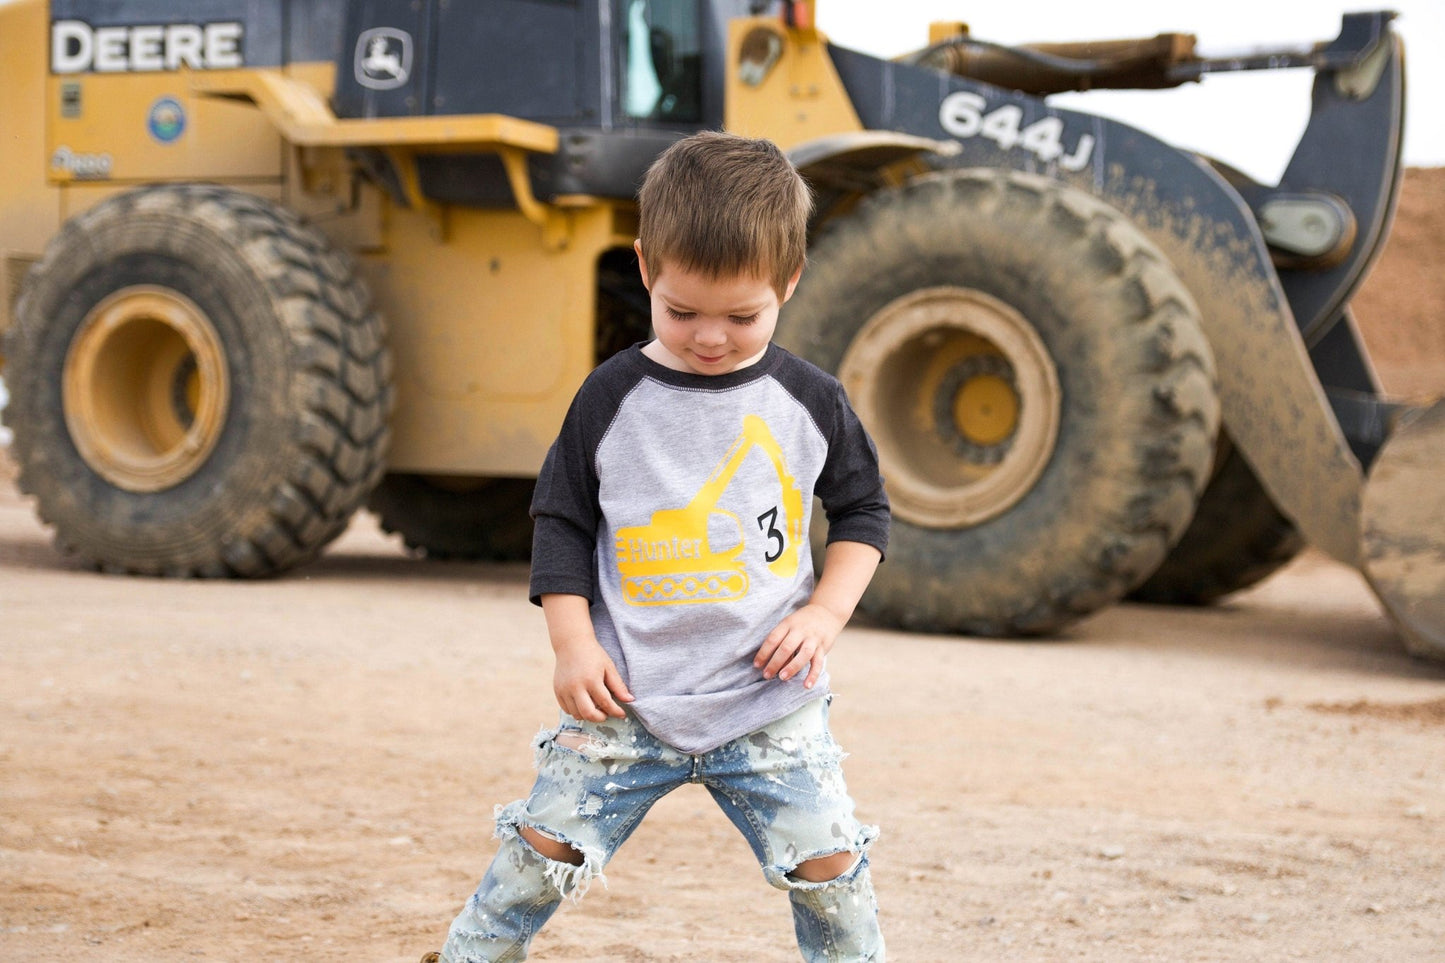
<point x="341" y="385"/>
<point x="1156" y="315"/>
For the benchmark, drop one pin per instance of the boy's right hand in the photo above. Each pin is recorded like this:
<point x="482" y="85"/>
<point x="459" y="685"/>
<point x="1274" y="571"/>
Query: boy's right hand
<point x="587" y="683"/>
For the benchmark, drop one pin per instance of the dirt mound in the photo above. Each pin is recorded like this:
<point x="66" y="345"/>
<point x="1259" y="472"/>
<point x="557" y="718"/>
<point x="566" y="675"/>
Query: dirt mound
<point x="1401" y="306"/>
<point x="1429" y="713"/>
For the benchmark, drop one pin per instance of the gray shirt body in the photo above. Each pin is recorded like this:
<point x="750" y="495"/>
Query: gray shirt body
<point x="679" y="505"/>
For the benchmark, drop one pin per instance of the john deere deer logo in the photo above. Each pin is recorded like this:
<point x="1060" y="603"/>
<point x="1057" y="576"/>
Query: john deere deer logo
<point x="383" y="58"/>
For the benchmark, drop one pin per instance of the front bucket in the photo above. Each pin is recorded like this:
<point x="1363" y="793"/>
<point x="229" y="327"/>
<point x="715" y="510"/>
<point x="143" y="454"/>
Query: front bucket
<point x="1403" y="529"/>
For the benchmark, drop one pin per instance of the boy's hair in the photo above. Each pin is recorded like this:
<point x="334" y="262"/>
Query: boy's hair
<point x="724" y="205"/>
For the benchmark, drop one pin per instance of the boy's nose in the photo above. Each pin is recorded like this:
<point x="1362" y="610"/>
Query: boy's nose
<point x="711" y="335"/>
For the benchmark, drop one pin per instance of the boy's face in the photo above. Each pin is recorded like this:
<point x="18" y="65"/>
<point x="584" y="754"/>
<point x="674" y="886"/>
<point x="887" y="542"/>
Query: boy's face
<point x="711" y="326"/>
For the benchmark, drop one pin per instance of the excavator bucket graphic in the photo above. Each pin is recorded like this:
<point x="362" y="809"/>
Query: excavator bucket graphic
<point x="671" y="561"/>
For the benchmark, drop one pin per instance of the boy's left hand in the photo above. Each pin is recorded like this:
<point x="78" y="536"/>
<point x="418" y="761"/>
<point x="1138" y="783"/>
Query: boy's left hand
<point x="803" y="638"/>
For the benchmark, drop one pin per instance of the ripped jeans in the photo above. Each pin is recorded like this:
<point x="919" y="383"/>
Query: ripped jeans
<point x="782" y="786"/>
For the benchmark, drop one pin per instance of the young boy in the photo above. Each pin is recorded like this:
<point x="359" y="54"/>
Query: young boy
<point x="672" y="564"/>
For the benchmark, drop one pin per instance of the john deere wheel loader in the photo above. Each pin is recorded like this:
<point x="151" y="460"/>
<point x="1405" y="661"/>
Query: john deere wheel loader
<point x="268" y="262"/>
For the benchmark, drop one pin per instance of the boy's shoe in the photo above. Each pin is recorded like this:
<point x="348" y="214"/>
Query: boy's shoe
<point x="432" y="958"/>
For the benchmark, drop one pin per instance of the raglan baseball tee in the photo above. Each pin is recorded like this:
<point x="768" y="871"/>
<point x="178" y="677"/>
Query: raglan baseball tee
<point x="679" y="505"/>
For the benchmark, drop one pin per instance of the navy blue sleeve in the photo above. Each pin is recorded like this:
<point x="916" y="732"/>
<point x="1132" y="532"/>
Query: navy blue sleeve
<point x="565" y="507"/>
<point x="564" y="534"/>
<point x="850" y="485"/>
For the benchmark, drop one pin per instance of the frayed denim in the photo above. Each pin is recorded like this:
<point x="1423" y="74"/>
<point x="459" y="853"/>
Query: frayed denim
<point x="782" y="786"/>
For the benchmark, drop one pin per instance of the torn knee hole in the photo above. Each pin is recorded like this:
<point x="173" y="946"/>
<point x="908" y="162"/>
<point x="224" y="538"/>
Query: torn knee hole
<point x="550" y="847"/>
<point x="824" y="869"/>
<point x="573" y="739"/>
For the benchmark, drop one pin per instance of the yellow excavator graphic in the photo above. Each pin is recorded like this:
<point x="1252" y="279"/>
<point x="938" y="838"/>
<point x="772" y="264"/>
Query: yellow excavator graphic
<point x="670" y="560"/>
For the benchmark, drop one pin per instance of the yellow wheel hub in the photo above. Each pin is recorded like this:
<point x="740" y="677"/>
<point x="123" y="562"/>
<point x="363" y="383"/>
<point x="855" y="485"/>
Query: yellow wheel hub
<point x="145" y="388"/>
<point x="962" y="398"/>
<point x="986" y="409"/>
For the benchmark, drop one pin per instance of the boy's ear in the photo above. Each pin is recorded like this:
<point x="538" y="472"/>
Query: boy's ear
<point x="642" y="264"/>
<point x="788" y="291"/>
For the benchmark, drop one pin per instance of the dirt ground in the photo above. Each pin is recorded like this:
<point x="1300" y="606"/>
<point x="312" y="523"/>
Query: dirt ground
<point x="305" y="768"/>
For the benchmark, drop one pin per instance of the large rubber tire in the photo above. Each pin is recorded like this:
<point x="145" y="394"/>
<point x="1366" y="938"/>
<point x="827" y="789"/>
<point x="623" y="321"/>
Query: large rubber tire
<point x="1237" y="539"/>
<point x="200" y="385"/>
<point x="1066" y="485"/>
<point x="458" y="518"/>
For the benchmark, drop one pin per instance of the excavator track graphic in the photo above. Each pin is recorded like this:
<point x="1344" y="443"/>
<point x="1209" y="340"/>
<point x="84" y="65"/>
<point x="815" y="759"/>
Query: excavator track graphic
<point x="699" y="587"/>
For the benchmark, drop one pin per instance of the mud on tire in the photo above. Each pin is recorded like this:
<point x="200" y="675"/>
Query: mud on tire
<point x="1236" y="539"/>
<point x="1039" y="386"/>
<point x="200" y="385"/>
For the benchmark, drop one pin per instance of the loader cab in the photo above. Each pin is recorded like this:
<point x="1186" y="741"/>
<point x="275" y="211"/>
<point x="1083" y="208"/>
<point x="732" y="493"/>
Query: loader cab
<point x="621" y="79"/>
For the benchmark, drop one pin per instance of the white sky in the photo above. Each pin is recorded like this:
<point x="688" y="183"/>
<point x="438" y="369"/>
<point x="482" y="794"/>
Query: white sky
<point x="1251" y="119"/>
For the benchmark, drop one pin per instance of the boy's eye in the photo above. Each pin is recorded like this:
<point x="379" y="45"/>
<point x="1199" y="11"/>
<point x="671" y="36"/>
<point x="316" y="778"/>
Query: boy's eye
<point x="677" y="315"/>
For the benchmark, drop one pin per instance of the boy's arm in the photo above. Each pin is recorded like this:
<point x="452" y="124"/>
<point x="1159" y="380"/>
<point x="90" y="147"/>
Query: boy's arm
<point x="807" y="636"/>
<point x="586" y="681"/>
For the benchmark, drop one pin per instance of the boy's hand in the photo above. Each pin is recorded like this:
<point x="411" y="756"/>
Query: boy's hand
<point x="802" y="639"/>
<point x="807" y="636"/>
<point x="587" y="683"/>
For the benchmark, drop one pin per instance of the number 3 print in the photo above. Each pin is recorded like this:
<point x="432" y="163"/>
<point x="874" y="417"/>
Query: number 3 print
<point x="768" y="522"/>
